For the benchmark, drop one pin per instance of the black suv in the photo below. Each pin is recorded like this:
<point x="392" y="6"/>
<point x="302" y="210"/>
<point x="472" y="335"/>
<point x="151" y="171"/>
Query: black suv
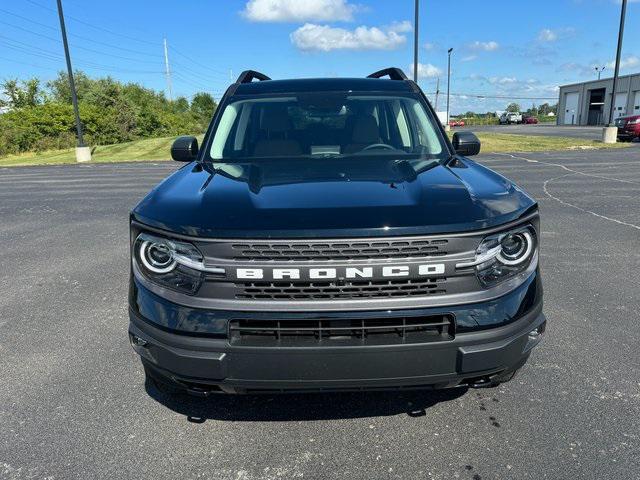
<point x="328" y="236"/>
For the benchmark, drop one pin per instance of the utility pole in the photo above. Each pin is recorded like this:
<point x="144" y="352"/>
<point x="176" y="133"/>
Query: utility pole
<point x="437" y="93"/>
<point x="610" y="132"/>
<point x="83" y="153"/>
<point x="447" y="127"/>
<point x="167" y="70"/>
<point x="415" y="41"/>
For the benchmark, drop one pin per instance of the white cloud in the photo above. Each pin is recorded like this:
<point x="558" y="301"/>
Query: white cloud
<point x="429" y="46"/>
<point x="469" y="58"/>
<point x="426" y="70"/>
<point x="629" y="62"/>
<point x="324" y="38"/>
<point x="502" y="80"/>
<point x="298" y="10"/>
<point x="484" y="46"/>
<point x="547" y="35"/>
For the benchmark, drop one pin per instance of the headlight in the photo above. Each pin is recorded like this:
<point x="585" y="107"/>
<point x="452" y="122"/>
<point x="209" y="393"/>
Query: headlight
<point x="503" y="255"/>
<point x="170" y="263"/>
<point x="635" y="121"/>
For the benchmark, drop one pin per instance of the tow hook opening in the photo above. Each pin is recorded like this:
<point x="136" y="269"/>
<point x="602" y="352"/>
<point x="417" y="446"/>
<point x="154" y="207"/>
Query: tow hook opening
<point x="136" y="341"/>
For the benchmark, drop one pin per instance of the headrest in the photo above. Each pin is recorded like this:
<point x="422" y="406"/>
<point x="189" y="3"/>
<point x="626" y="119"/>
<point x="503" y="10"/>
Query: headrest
<point x="276" y="119"/>
<point x="365" y="130"/>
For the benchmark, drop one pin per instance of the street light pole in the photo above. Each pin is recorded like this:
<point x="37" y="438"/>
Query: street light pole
<point x="83" y="153"/>
<point x="600" y="70"/>
<point x="610" y="132"/>
<point x="447" y="127"/>
<point x="415" y="41"/>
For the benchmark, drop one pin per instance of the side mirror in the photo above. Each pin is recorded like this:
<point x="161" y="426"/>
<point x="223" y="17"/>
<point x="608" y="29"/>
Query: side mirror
<point x="466" y="144"/>
<point x="184" y="149"/>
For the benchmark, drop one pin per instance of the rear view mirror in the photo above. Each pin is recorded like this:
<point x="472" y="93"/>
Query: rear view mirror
<point x="466" y="144"/>
<point x="184" y="149"/>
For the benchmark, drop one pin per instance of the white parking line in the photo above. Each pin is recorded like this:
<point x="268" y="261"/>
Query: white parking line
<point x="574" y="172"/>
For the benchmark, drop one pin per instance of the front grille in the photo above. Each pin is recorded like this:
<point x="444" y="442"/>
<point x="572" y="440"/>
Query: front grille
<point x="335" y="332"/>
<point x="346" y="290"/>
<point x="318" y="251"/>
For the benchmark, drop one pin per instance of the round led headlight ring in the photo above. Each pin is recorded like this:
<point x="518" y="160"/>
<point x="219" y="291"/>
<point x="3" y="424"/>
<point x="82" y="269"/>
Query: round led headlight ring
<point x="156" y="257"/>
<point x="516" y="248"/>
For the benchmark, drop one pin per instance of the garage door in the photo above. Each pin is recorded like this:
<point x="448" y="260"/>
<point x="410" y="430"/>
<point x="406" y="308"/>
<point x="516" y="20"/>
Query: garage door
<point x="571" y="108"/>
<point x="620" y="107"/>
<point x="636" y="104"/>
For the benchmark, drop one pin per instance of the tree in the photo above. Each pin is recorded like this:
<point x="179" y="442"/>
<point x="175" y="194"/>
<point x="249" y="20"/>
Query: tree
<point x="22" y="94"/>
<point x="513" y="107"/>
<point x="203" y="106"/>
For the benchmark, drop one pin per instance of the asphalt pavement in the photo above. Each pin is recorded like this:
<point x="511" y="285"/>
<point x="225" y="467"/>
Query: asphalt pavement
<point x="73" y="403"/>
<point x="552" y="130"/>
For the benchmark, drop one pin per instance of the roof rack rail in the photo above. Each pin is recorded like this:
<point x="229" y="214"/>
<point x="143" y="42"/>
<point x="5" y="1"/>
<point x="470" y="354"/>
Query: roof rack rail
<point x="393" y="73"/>
<point x="249" y="75"/>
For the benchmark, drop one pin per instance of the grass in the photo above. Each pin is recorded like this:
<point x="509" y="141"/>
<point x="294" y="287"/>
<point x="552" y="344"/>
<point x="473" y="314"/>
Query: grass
<point x="139" y="150"/>
<point x="158" y="149"/>
<point x="507" y="142"/>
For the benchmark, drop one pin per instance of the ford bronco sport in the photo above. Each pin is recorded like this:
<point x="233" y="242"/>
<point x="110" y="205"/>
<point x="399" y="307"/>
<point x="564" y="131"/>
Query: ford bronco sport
<point x="329" y="236"/>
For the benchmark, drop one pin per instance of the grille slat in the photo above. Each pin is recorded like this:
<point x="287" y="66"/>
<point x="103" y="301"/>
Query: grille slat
<point x="332" y="332"/>
<point x="335" y="290"/>
<point x="339" y="250"/>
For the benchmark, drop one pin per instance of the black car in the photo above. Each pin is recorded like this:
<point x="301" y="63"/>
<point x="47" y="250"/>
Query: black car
<point x="329" y="236"/>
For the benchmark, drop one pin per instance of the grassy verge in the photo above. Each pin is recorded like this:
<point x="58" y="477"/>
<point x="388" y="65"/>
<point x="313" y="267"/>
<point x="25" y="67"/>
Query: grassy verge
<point x="507" y="142"/>
<point x="139" y="150"/>
<point x="158" y="149"/>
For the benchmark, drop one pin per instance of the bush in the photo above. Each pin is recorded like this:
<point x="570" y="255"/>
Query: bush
<point x="111" y="112"/>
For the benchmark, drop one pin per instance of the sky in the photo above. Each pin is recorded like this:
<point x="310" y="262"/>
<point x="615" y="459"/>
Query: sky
<point x="501" y="48"/>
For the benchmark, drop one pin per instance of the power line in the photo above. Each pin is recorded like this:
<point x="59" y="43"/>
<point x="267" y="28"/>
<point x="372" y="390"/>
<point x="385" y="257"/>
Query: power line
<point x="79" y="47"/>
<point x="86" y="39"/>
<point x="106" y="30"/>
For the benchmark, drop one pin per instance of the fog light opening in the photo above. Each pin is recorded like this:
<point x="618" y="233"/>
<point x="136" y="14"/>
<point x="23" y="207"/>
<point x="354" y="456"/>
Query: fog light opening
<point x="136" y="341"/>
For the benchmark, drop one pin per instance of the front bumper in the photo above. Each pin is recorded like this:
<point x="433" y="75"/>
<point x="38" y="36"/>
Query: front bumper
<point x="206" y="365"/>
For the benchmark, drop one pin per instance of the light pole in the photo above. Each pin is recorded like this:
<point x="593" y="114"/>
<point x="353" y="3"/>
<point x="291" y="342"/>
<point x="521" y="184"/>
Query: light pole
<point x="610" y="132"/>
<point x="600" y="70"/>
<point x="415" y="41"/>
<point x="83" y="153"/>
<point x="447" y="127"/>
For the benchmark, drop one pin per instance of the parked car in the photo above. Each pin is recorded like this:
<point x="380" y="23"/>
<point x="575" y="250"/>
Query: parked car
<point x="628" y="127"/>
<point x="529" y="119"/>
<point x="510" y="117"/>
<point x="454" y="122"/>
<point x="329" y="236"/>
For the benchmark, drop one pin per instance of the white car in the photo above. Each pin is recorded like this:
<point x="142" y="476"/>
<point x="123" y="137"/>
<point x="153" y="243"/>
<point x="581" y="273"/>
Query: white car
<point x="510" y="117"/>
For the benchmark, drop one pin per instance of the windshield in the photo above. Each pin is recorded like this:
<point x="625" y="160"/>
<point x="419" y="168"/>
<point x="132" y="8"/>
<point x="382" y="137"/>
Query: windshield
<point x="326" y="124"/>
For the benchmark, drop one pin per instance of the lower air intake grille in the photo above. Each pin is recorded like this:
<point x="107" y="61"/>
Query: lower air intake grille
<point x="334" y="290"/>
<point x="335" y="332"/>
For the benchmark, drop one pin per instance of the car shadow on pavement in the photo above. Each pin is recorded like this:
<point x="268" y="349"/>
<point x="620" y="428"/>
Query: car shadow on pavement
<point x="308" y="406"/>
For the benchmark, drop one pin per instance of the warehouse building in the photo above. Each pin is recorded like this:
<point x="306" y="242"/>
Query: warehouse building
<point x="588" y="103"/>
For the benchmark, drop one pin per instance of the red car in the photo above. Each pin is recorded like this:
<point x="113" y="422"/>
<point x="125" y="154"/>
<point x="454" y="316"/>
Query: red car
<point x="628" y="127"/>
<point x="456" y="123"/>
<point x="532" y="120"/>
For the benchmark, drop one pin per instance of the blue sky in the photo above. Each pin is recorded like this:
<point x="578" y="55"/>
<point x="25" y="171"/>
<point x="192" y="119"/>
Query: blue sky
<point x="501" y="48"/>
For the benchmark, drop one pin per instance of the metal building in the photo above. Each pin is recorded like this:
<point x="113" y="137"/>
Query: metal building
<point x="588" y="103"/>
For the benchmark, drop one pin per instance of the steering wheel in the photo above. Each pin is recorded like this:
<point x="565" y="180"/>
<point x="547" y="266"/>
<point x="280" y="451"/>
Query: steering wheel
<point x="378" y="145"/>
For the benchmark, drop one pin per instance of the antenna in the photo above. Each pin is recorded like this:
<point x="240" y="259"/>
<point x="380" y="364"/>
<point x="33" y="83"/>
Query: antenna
<point x="167" y="70"/>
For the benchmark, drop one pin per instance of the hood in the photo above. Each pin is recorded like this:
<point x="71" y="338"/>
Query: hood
<point x="331" y="198"/>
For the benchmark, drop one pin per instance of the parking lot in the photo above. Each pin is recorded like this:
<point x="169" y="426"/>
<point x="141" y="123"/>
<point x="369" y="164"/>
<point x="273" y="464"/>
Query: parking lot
<point x="73" y="403"/>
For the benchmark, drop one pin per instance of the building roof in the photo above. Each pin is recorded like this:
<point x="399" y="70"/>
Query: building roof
<point x="608" y="79"/>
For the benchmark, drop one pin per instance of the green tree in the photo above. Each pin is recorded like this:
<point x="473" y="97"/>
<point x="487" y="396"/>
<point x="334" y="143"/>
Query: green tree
<point x="22" y="94"/>
<point x="513" y="107"/>
<point x="203" y="106"/>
